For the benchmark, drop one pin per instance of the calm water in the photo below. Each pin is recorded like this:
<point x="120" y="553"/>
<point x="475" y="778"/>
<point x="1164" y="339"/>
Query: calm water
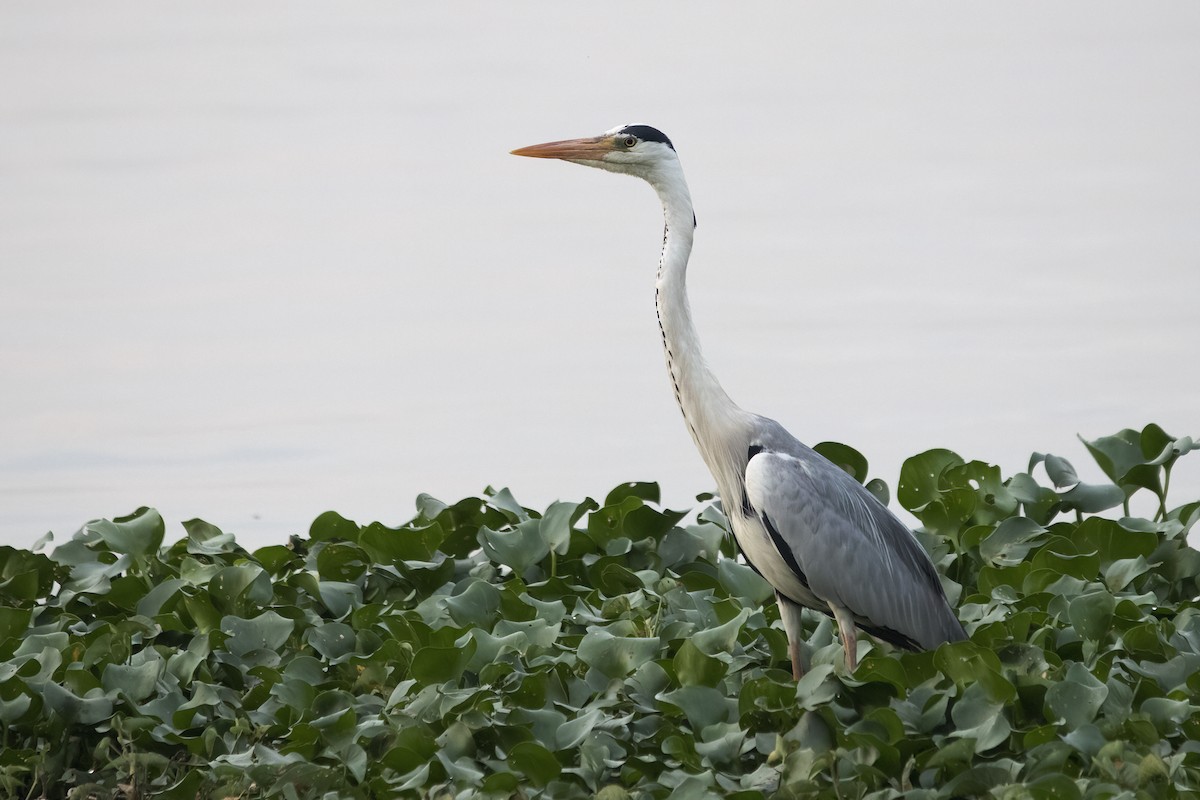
<point x="263" y="262"/>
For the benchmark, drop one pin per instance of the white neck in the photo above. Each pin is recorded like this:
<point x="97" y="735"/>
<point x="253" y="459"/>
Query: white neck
<point x="706" y="407"/>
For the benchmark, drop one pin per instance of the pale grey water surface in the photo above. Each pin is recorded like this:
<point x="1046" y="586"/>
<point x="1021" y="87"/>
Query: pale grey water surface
<point x="263" y="260"/>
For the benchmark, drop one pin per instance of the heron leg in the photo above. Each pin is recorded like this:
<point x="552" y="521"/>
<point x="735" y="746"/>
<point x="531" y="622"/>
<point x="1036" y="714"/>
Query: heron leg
<point x="789" y="612"/>
<point x="849" y="634"/>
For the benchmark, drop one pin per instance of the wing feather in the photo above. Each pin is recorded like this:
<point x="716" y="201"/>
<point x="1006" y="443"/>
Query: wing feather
<point x="850" y="548"/>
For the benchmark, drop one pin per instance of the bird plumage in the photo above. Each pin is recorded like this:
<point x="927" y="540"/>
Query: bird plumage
<point x="814" y="533"/>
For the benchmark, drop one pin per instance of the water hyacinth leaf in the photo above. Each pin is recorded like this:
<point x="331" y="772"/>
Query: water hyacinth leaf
<point x="1121" y="458"/>
<point x="701" y="541"/>
<point x="1111" y="541"/>
<point x="743" y="582"/>
<point x="1166" y="714"/>
<point x="722" y="638"/>
<point x="440" y="664"/>
<point x="1076" y="698"/>
<point x="332" y="526"/>
<point x="152" y="602"/>
<point x="816" y="688"/>
<point x="558" y="522"/>
<point x="93" y="707"/>
<point x="993" y="500"/>
<point x="967" y="663"/>
<point x="695" y="668"/>
<point x="267" y="631"/>
<point x="1040" y="502"/>
<point x="138" y="534"/>
<point x="135" y="682"/>
<point x="407" y="543"/>
<point x="25" y="576"/>
<point x="920" y="477"/>
<point x="339" y="597"/>
<point x="1119" y="573"/>
<point x="13" y="621"/>
<point x="574" y="731"/>
<point x="451" y="674"/>
<point x="518" y="548"/>
<point x="646" y="492"/>
<point x="535" y="762"/>
<point x="846" y="458"/>
<point x="474" y="603"/>
<point x="1011" y="541"/>
<point x="206" y="539"/>
<point x="616" y="656"/>
<point x="1053" y="787"/>
<point x="240" y="589"/>
<point x="980" y="718"/>
<point x="333" y="640"/>
<point x="504" y="501"/>
<point x="883" y="669"/>
<point x="1060" y="471"/>
<point x="879" y="489"/>
<point x="1093" y="497"/>
<point x="702" y="705"/>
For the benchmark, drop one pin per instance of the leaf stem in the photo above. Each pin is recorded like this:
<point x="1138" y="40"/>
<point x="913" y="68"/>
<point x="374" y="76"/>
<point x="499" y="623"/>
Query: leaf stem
<point x="1162" y="498"/>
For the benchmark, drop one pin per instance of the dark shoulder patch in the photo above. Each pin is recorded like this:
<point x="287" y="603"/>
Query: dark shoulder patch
<point x="781" y="545"/>
<point x="754" y="450"/>
<point x="648" y="134"/>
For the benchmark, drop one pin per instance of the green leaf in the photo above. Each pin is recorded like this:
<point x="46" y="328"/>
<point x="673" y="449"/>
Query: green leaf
<point x="694" y="668"/>
<point x="722" y="638"/>
<point x="436" y="665"/>
<point x="333" y="640"/>
<point x="920" y="477"/>
<point x="743" y="582"/>
<point x="1011" y="541"/>
<point x="206" y="539"/>
<point x="846" y="458"/>
<point x="267" y="631"/>
<point x="980" y="718"/>
<point x="1076" y="698"/>
<point x="647" y="492"/>
<point x="1091" y="498"/>
<point x="332" y="526"/>
<point x="1111" y="541"/>
<point x="1061" y="473"/>
<point x="535" y="762"/>
<point x="241" y="589"/>
<point x="702" y="705"/>
<point x="879" y="489"/>
<point x="1122" y="459"/>
<point x="616" y="656"/>
<point x="1119" y="573"/>
<point x="518" y="549"/>
<point x="89" y="709"/>
<point x="135" y="682"/>
<point x="12" y="622"/>
<point x="816" y="688"/>
<point x="138" y="534"/>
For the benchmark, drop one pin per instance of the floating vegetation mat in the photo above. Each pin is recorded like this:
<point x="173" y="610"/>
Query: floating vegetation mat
<point x="612" y="649"/>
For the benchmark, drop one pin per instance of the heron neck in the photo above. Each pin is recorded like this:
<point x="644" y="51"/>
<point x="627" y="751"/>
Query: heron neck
<point x="706" y="407"/>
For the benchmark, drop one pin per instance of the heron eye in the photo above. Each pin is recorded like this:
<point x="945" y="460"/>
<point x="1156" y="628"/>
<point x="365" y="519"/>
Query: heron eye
<point x="630" y="141"/>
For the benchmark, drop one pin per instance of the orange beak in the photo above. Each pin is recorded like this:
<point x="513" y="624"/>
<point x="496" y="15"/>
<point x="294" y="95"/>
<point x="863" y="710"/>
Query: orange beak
<point x="590" y="149"/>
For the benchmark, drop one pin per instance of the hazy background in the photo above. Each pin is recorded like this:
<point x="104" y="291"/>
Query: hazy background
<point x="263" y="260"/>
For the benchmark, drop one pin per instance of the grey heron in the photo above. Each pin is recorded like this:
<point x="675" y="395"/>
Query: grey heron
<point x="813" y="532"/>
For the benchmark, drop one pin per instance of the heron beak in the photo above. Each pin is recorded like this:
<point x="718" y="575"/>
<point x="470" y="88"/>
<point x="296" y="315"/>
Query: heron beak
<point x="593" y="148"/>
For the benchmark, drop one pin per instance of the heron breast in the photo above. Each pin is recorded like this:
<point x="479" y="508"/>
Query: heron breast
<point x="763" y="554"/>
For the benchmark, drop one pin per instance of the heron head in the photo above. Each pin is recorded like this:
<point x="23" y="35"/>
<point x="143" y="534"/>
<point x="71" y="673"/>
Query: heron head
<point x="632" y="149"/>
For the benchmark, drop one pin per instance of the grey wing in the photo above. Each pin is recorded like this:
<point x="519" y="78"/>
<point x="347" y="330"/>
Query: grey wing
<point x="850" y="549"/>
